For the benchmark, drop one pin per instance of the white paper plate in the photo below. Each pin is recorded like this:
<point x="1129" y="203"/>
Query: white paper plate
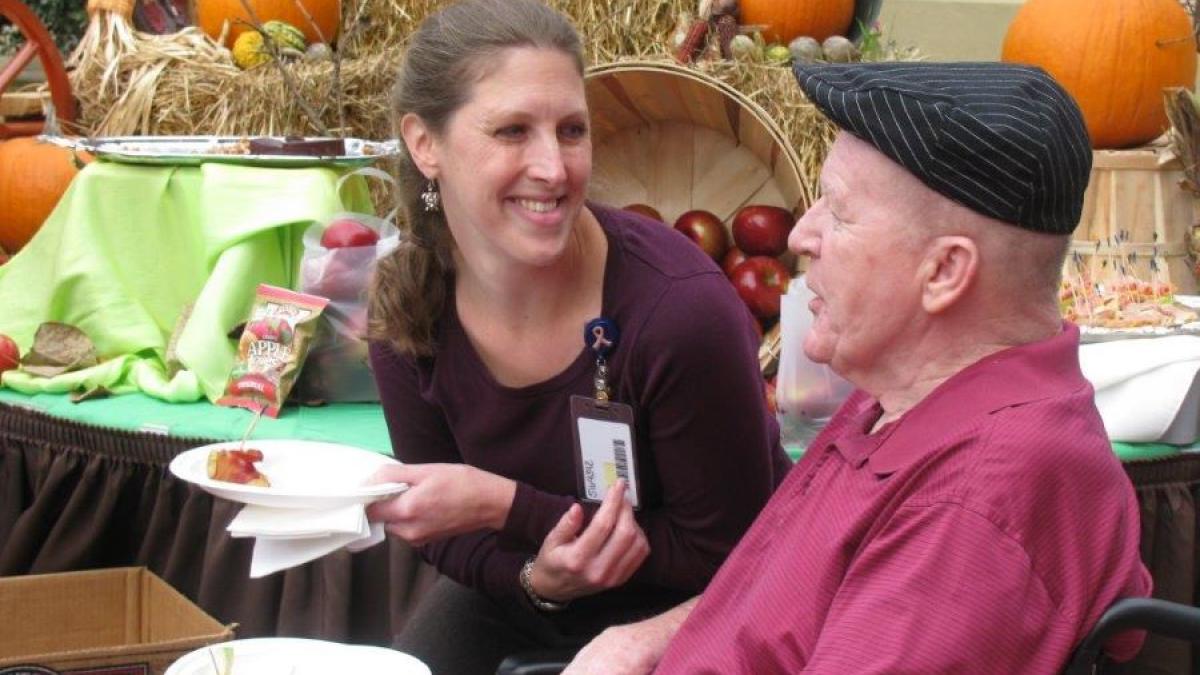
<point x="297" y="656"/>
<point x="303" y="474"/>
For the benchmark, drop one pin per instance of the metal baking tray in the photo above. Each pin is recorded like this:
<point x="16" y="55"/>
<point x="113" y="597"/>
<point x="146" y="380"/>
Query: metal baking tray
<point x="195" y="150"/>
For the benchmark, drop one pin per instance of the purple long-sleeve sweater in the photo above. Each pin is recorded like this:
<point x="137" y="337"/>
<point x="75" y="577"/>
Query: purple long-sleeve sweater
<point x="708" y="451"/>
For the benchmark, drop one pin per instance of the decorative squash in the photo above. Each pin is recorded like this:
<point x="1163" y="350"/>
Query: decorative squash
<point x="1114" y="56"/>
<point x="249" y="50"/>
<point x="212" y="14"/>
<point x="285" y="35"/>
<point x="785" y="20"/>
<point x="33" y="177"/>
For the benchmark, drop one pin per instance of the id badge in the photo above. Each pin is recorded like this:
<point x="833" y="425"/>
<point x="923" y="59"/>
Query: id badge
<point x="604" y="450"/>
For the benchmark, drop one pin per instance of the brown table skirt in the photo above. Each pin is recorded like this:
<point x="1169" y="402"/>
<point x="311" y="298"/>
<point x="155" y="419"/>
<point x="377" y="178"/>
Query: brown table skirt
<point x="75" y="496"/>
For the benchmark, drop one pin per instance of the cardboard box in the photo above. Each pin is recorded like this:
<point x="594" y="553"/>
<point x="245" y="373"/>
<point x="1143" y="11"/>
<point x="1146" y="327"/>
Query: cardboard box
<point x="123" y="621"/>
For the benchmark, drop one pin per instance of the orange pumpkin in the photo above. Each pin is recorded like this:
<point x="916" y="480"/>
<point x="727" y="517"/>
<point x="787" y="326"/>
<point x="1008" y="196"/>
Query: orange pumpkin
<point x="1114" y="56"/>
<point x="785" y="20"/>
<point x="327" y="14"/>
<point x="33" y="177"/>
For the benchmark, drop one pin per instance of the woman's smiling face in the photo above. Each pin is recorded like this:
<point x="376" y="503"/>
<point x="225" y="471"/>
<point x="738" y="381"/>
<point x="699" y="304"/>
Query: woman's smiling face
<point x="514" y="161"/>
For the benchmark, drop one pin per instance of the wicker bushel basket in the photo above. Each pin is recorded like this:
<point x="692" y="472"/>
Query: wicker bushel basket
<point x="677" y="139"/>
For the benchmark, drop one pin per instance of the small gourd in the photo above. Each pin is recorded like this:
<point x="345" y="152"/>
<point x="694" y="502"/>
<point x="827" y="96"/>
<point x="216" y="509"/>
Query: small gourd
<point x="250" y="50"/>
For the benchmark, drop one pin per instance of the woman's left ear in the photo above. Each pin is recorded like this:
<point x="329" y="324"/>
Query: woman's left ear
<point x="420" y="141"/>
<point x="949" y="270"/>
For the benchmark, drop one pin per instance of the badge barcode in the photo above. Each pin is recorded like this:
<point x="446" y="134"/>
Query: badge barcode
<point x="619" y="456"/>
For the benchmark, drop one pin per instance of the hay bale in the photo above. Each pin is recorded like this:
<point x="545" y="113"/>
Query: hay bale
<point x="131" y="83"/>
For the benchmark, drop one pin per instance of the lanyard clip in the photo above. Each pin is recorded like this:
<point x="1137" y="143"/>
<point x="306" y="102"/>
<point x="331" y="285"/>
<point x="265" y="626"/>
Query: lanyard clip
<point x="600" y="335"/>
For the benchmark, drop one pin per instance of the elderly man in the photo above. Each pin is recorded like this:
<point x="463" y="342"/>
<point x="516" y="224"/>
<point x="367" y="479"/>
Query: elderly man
<point x="963" y="511"/>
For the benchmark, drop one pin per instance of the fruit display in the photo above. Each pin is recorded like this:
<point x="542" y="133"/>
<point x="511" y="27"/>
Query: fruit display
<point x="285" y="35"/>
<point x="1132" y="49"/>
<point x="761" y="282"/>
<point x="211" y="16"/>
<point x="783" y="20"/>
<point x="251" y="48"/>
<point x="752" y="263"/>
<point x="645" y="210"/>
<point x="10" y="354"/>
<point x="759" y="229"/>
<point x="347" y="232"/>
<point x="706" y="230"/>
<point x="772" y="32"/>
<point x="33" y="177"/>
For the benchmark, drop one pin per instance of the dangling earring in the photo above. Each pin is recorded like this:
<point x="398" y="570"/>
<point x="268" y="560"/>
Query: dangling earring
<point x="431" y="197"/>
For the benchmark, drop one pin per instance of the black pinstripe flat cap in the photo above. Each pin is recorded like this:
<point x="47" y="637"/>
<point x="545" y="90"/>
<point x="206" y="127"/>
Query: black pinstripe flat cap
<point x="1004" y="140"/>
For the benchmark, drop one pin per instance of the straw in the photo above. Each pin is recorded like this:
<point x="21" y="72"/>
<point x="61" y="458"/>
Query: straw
<point x="131" y="83"/>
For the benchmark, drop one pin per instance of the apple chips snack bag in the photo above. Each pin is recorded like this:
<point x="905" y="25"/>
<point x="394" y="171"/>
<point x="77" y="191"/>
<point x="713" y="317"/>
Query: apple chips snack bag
<point x="272" y="349"/>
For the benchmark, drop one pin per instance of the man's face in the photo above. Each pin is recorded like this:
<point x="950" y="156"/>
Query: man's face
<point x="864" y="241"/>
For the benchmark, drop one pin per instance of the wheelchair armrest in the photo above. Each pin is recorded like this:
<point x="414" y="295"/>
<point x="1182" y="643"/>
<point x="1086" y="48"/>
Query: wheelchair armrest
<point x="1160" y="617"/>
<point x="549" y="662"/>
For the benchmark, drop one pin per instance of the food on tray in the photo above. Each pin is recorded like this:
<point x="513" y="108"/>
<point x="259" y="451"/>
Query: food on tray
<point x="236" y="466"/>
<point x="1122" y="302"/>
<point x="295" y="145"/>
<point x="272" y="349"/>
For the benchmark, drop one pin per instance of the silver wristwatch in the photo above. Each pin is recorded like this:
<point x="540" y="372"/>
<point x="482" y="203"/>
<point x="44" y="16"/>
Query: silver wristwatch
<point x="526" y="578"/>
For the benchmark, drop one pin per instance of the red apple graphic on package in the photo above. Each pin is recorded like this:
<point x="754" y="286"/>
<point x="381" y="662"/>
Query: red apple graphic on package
<point x="646" y="210"/>
<point x="272" y="329"/>
<point x="347" y="233"/>
<point x="10" y="355"/>
<point x="762" y="230"/>
<point x="706" y="230"/>
<point x="733" y="258"/>
<point x="760" y="282"/>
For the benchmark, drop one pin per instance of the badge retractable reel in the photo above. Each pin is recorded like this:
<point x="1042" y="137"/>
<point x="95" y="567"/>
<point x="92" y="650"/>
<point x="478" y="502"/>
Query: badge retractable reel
<point x="603" y="428"/>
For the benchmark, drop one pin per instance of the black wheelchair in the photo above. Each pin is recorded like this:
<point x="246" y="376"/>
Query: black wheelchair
<point x="1160" y="617"/>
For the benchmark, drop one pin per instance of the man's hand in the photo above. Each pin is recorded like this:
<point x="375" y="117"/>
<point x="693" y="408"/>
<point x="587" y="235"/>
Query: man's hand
<point x="633" y="649"/>
<point x="571" y="564"/>
<point x="443" y="500"/>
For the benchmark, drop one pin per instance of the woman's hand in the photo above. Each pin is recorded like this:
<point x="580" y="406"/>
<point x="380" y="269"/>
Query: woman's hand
<point x="442" y="500"/>
<point x="571" y="564"/>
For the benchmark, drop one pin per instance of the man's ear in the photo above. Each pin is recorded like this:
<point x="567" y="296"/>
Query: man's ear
<point x="948" y="271"/>
<point x="420" y="141"/>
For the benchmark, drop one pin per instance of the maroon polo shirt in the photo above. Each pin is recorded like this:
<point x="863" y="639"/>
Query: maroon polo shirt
<point x="986" y="530"/>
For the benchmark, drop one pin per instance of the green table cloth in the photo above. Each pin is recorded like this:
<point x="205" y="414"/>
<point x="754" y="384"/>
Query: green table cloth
<point x="358" y="424"/>
<point x="130" y="246"/>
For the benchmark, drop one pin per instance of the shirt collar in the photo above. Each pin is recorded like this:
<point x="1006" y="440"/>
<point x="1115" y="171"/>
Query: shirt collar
<point x="1038" y="370"/>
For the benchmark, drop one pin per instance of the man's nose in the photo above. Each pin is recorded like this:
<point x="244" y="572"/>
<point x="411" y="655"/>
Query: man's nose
<point x="805" y="237"/>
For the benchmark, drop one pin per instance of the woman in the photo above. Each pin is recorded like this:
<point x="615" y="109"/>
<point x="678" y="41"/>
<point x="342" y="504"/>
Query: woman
<point x="477" y="346"/>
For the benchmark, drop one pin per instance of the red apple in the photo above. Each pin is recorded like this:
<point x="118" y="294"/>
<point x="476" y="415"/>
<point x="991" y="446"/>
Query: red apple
<point x="733" y="258"/>
<point x="347" y="232"/>
<point x="10" y="354"/>
<point x="762" y="230"/>
<point x="338" y="278"/>
<point x="645" y="210"/>
<point x="760" y="282"/>
<point x="706" y="230"/>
